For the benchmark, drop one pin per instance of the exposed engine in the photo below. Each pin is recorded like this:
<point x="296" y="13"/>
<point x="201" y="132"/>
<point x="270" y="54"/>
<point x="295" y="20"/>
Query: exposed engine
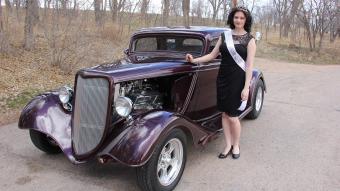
<point x="144" y="94"/>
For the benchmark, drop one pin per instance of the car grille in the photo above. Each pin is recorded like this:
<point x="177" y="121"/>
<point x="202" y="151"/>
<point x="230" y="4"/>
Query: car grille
<point x="90" y="113"/>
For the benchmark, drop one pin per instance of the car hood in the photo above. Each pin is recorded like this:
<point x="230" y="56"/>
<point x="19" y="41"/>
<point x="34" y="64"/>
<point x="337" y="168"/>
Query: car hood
<point x="125" y="69"/>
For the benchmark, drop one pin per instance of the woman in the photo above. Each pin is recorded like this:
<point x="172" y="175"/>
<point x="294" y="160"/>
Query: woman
<point x="232" y="81"/>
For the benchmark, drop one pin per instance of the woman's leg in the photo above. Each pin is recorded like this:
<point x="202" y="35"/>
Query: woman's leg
<point x="227" y="133"/>
<point x="235" y="127"/>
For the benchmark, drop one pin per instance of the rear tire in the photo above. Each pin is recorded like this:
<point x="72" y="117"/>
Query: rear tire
<point x="257" y="101"/>
<point x="164" y="169"/>
<point x="44" y="143"/>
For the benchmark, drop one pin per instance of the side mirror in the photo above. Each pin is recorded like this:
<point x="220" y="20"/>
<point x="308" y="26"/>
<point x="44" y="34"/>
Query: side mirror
<point x="258" y="36"/>
<point x="126" y="51"/>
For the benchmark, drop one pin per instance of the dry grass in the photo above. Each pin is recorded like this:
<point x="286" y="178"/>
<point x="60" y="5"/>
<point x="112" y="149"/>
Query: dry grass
<point x="282" y="49"/>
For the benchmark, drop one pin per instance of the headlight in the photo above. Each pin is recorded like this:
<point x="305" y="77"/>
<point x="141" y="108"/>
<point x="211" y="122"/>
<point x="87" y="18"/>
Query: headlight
<point x="123" y="106"/>
<point x="65" y="94"/>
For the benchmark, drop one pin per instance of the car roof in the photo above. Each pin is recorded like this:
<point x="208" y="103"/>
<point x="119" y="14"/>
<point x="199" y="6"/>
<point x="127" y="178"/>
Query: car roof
<point x="205" y="30"/>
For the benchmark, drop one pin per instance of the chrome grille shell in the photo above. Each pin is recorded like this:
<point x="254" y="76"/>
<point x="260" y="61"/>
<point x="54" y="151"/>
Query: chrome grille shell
<point x="91" y="109"/>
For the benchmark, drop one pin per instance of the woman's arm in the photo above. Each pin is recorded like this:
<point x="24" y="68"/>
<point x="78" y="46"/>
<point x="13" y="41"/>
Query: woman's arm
<point x="206" y="58"/>
<point x="251" y="49"/>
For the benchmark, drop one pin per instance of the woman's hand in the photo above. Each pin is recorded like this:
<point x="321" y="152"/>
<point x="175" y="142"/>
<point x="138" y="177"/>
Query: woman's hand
<point x="245" y="94"/>
<point x="189" y="58"/>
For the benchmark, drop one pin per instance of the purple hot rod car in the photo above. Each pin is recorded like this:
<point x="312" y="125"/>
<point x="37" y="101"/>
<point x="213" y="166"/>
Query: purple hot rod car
<point x="142" y="110"/>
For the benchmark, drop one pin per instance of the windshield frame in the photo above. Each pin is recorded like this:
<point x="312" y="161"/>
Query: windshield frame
<point x="170" y="34"/>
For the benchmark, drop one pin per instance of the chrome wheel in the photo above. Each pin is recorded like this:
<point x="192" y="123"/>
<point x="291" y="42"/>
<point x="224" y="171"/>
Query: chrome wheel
<point x="259" y="98"/>
<point x="170" y="162"/>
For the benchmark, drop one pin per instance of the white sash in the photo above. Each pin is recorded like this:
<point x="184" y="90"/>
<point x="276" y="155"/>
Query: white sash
<point x="237" y="58"/>
<point x="230" y="45"/>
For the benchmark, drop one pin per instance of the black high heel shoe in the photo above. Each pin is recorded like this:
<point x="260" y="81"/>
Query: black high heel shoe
<point x="223" y="156"/>
<point x="236" y="156"/>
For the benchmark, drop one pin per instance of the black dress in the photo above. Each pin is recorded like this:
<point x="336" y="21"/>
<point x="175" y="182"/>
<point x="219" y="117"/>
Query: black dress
<point x="231" y="78"/>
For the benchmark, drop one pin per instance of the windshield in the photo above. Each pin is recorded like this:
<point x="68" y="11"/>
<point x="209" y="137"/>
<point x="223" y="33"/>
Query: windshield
<point x="168" y="43"/>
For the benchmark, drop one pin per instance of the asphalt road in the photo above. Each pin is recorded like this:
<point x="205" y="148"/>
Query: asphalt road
<point x="293" y="145"/>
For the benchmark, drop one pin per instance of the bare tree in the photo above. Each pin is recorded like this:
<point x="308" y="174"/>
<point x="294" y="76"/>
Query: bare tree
<point x="250" y="4"/>
<point x="282" y="7"/>
<point x="291" y="23"/>
<point x="186" y="11"/>
<point x="64" y="4"/>
<point x="334" y="28"/>
<point x="175" y="8"/>
<point x="116" y="6"/>
<point x="325" y="17"/>
<point x="166" y="11"/>
<point x="98" y="12"/>
<point x="17" y="4"/>
<point x="132" y="7"/>
<point x="225" y="9"/>
<point x="196" y="10"/>
<point x="1" y="23"/>
<point x="32" y="16"/>
<point x="75" y="4"/>
<point x="144" y="10"/>
<point x="316" y="17"/>
<point x="48" y="2"/>
<point x="215" y="4"/>
<point x="265" y="17"/>
<point x="8" y="5"/>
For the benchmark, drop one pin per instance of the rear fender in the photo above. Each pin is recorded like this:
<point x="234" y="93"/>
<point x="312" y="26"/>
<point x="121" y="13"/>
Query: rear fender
<point x="257" y="75"/>
<point x="45" y="114"/>
<point x="135" y="145"/>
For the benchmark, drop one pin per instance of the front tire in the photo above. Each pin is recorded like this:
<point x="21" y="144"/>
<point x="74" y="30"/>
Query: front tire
<point x="43" y="142"/>
<point x="257" y="101"/>
<point x="166" y="165"/>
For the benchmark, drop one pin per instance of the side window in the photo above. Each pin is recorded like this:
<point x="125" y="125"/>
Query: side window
<point x="171" y="44"/>
<point x="192" y="45"/>
<point x="213" y="44"/>
<point x="146" y="44"/>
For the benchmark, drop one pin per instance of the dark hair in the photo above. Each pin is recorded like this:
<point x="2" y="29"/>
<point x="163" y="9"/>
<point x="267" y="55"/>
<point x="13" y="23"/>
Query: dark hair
<point x="246" y="12"/>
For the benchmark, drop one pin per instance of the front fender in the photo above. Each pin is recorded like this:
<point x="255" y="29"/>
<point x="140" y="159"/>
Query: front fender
<point x="135" y="145"/>
<point x="45" y="114"/>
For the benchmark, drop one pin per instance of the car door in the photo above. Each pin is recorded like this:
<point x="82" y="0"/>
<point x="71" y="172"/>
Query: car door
<point x="205" y="96"/>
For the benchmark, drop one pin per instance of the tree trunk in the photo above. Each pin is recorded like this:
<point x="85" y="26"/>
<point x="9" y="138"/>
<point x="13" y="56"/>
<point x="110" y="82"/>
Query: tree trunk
<point x="286" y="28"/>
<point x="215" y="4"/>
<point x="8" y="6"/>
<point x="75" y="5"/>
<point x="64" y="4"/>
<point x="114" y="12"/>
<point x="1" y="23"/>
<point x="166" y="10"/>
<point x="97" y="12"/>
<point x="17" y="8"/>
<point x="320" y="41"/>
<point x="4" y="44"/>
<point x="32" y="16"/>
<point x="281" y="26"/>
<point x="225" y="14"/>
<point x="293" y="29"/>
<point x="186" y="10"/>
<point x="144" y="10"/>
